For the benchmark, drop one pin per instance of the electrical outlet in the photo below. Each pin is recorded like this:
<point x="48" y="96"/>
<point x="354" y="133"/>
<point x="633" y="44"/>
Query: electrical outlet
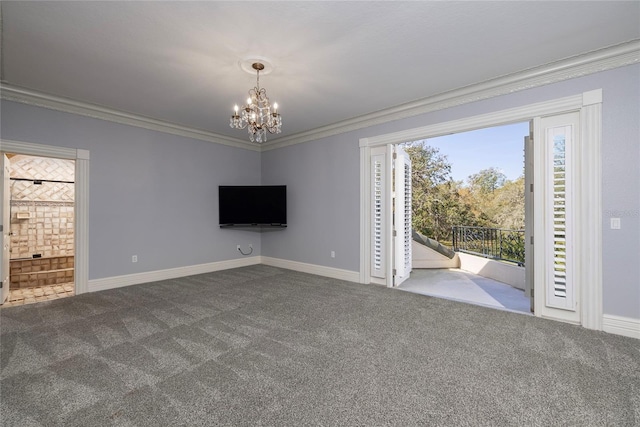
<point x="238" y="247"/>
<point x="134" y="258"/>
<point x="250" y="245"/>
<point x="333" y="254"/>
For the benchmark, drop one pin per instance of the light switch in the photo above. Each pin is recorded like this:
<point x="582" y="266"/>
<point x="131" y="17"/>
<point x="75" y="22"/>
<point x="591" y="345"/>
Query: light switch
<point x="615" y="223"/>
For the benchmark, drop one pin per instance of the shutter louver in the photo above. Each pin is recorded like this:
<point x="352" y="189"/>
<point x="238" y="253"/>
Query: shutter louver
<point x="402" y="216"/>
<point x="378" y="218"/>
<point x="560" y="291"/>
<point x="559" y="217"/>
<point x="407" y="216"/>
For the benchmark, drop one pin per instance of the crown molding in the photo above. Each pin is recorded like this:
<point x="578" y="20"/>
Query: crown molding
<point x="58" y="103"/>
<point x="577" y="66"/>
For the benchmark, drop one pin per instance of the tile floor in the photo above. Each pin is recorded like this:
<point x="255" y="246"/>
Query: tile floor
<point x="38" y="293"/>
<point x="459" y="285"/>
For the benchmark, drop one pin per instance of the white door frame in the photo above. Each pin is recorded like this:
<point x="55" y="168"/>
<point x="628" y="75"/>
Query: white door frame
<point x="81" y="232"/>
<point x="588" y="187"/>
<point x="5" y="240"/>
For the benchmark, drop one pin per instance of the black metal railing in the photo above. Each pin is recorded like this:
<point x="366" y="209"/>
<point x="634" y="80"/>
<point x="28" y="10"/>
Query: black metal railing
<point x="494" y="243"/>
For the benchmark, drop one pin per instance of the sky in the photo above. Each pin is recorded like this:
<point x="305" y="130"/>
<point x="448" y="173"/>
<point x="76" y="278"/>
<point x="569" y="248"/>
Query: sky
<point x="470" y="152"/>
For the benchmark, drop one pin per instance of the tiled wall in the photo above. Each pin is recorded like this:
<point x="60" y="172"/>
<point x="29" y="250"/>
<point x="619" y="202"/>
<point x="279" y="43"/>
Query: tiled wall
<point x="29" y="273"/>
<point x="42" y="213"/>
<point x="42" y="221"/>
<point x="46" y="229"/>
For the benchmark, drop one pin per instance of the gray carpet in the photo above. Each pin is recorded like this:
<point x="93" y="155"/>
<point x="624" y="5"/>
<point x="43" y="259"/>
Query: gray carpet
<point x="266" y="346"/>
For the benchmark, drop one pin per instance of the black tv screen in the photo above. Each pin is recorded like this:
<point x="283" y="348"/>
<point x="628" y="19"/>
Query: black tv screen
<point x="252" y="204"/>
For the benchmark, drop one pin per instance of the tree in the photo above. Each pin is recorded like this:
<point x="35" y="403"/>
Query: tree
<point x="428" y="169"/>
<point x="440" y="203"/>
<point x="487" y="180"/>
<point x="437" y="205"/>
<point x="509" y="205"/>
<point x="483" y="189"/>
<point x="428" y="166"/>
<point x="449" y="209"/>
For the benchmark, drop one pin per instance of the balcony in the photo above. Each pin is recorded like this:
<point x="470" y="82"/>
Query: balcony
<point x="496" y="254"/>
<point x="493" y="243"/>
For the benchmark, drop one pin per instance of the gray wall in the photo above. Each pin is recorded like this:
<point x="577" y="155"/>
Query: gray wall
<point x="323" y="202"/>
<point x="152" y="194"/>
<point x="323" y="178"/>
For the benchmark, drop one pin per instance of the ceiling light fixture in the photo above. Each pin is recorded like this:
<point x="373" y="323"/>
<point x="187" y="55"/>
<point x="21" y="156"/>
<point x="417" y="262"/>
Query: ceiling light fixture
<point x="257" y="116"/>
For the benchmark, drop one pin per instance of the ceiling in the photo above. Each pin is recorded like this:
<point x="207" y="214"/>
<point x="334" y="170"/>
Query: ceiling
<point x="180" y="61"/>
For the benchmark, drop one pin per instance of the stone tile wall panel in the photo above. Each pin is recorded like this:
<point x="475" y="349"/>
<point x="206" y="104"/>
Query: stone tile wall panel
<point x="28" y="273"/>
<point x="42" y="215"/>
<point x="42" y="221"/>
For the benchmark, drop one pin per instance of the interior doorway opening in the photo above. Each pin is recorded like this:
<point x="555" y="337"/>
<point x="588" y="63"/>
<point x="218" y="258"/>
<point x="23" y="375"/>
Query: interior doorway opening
<point x="468" y="216"/>
<point x="41" y="228"/>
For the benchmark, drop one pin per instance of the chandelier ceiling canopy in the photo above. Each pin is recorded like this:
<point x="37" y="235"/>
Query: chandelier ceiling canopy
<point x="258" y="115"/>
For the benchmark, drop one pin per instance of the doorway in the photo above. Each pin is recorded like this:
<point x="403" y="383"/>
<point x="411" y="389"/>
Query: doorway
<point x="469" y="219"/>
<point x="81" y="157"/>
<point x="41" y="228"/>
<point x="567" y="257"/>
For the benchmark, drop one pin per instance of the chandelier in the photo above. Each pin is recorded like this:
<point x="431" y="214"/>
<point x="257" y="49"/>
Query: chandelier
<point x="258" y="116"/>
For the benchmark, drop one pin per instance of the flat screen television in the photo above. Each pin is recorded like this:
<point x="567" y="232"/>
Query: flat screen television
<point x="252" y="205"/>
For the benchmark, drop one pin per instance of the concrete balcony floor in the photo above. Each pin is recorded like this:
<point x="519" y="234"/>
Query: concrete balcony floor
<point x="459" y="285"/>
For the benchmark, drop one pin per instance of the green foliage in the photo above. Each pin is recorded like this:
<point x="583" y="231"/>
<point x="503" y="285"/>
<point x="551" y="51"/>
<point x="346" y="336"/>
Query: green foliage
<point x="512" y="246"/>
<point x="487" y="180"/>
<point x="509" y="205"/>
<point x="437" y="205"/>
<point x="439" y="202"/>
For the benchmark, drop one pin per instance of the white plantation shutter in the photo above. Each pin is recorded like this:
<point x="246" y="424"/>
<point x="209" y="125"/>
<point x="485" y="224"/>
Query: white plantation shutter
<point x="390" y="214"/>
<point x="560" y="294"/>
<point x="560" y="137"/>
<point x="378" y="220"/>
<point x="402" y="216"/>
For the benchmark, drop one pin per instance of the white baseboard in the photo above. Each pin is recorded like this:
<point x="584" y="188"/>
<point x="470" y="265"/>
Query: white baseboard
<point x="334" y="273"/>
<point x="171" y="273"/>
<point x="626" y="326"/>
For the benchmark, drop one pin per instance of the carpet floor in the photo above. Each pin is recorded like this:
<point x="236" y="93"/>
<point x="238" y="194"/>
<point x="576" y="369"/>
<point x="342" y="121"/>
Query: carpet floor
<point x="265" y="346"/>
